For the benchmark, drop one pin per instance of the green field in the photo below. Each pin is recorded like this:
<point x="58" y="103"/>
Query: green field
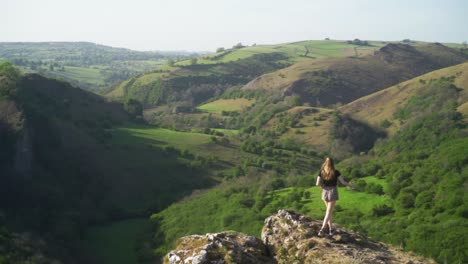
<point x="294" y="51"/>
<point x="226" y="105"/>
<point x="91" y="76"/>
<point x="349" y="199"/>
<point x="115" y="243"/>
<point x="159" y="136"/>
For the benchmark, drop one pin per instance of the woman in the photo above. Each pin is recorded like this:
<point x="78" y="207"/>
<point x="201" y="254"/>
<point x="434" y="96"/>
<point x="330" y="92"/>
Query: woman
<point x="327" y="180"/>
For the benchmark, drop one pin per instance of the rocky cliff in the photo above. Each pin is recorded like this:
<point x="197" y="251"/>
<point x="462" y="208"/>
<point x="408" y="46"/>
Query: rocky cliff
<point x="287" y="237"/>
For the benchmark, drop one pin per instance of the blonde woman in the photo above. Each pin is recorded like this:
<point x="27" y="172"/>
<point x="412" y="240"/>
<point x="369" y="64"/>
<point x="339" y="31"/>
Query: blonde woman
<point x="327" y="179"/>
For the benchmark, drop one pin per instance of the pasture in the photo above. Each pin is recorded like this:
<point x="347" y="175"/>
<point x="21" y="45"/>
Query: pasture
<point x="158" y="136"/>
<point x="226" y="105"/>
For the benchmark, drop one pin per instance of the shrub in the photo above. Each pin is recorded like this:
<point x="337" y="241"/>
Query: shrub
<point x="385" y="123"/>
<point x="406" y="199"/>
<point x="382" y="210"/>
<point x="133" y="107"/>
<point x="374" y="188"/>
<point x="360" y="185"/>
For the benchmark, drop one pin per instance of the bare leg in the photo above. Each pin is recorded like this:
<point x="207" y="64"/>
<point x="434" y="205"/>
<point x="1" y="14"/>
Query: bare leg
<point x="328" y="215"/>
<point x="331" y="206"/>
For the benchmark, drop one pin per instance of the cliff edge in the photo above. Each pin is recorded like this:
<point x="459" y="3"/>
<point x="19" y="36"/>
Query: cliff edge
<point x="287" y="237"/>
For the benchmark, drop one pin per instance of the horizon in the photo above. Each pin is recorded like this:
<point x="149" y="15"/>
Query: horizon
<point x="206" y="25"/>
<point x="206" y="51"/>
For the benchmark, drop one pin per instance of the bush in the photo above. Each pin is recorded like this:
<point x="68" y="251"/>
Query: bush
<point x="382" y="210"/>
<point x="360" y="185"/>
<point x="9" y="77"/>
<point x="385" y="123"/>
<point x="406" y="199"/>
<point x="133" y="107"/>
<point x="374" y="188"/>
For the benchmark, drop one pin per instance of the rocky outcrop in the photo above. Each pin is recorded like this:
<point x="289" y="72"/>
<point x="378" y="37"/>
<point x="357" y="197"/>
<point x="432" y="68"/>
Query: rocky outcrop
<point x="287" y="237"/>
<point x="292" y="238"/>
<point x="225" y="247"/>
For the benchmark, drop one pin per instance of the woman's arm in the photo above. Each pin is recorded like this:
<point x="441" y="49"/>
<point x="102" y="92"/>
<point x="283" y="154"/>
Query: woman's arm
<point x="343" y="181"/>
<point x="319" y="181"/>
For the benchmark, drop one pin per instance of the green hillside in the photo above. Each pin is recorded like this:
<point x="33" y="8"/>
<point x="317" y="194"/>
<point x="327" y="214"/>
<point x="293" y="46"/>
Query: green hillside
<point x="69" y="173"/>
<point x="328" y="81"/>
<point x="174" y="97"/>
<point x="210" y="75"/>
<point x="379" y="109"/>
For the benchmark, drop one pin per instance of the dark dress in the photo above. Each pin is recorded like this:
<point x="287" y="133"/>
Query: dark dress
<point x="329" y="189"/>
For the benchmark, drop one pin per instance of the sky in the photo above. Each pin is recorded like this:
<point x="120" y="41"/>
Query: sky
<point x="204" y="25"/>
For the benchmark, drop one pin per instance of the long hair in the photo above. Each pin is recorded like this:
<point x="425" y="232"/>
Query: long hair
<point x="328" y="171"/>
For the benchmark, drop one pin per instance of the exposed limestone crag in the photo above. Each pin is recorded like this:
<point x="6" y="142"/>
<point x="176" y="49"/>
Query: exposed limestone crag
<point x="225" y="247"/>
<point x="287" y="238"/>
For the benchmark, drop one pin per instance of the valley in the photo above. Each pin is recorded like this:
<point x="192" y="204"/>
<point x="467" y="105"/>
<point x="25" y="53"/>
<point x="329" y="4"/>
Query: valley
<point x="224" y="140"/>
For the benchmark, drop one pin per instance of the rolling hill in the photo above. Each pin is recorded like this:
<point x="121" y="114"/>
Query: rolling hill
<point x="380" y="106"/>
<point x="62" y="171"/>
<point x="340" y="80"/>
<point x="195" y="81"/>
<point x="312" y="125"/>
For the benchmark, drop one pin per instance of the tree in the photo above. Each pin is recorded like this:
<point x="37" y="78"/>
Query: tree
<point x="238" y="46"/>
<point x="221" y="49"/>
<point x="9" y="77"/>
<point x="296" y="101"/>
<point x="464" y="44"/>
<point x="193" y="61"/>
<point x="307" y="51"/>
<point x="133" y="107"/>
<point x="170" y="62"/>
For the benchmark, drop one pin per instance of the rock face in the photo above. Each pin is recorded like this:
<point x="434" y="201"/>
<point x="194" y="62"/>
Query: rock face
<point x="287" y="238"/>
<point x="225" y="247"/>
<point x="292" y="238"/>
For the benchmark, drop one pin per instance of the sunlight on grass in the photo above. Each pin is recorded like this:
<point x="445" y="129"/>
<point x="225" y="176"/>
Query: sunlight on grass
<point x="226" y="105"/>
<point x="159" y="136"/>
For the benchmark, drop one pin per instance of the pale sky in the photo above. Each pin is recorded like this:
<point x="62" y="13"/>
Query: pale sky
<point x="204" y="25"/>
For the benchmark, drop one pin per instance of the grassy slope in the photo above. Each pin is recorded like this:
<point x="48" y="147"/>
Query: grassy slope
<point x="159" y="136"/>
<point x="223" y="65"/>
<point x="371" y="109"/>
<point x="226" y="105"/>
<point x="382" y="105"/>
<point x="328" y="81"/>
<point x="224" y="209"/>
<point x="90" y="76"/>
<point x="295" y="51"/>
<point x="314" y="127"/>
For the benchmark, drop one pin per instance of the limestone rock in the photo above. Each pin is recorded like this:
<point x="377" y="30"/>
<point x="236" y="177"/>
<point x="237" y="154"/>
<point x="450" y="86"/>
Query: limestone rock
<point x="287" y="238"/>
<point x="219" y="248"/>
<point x="292" y="238"/>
